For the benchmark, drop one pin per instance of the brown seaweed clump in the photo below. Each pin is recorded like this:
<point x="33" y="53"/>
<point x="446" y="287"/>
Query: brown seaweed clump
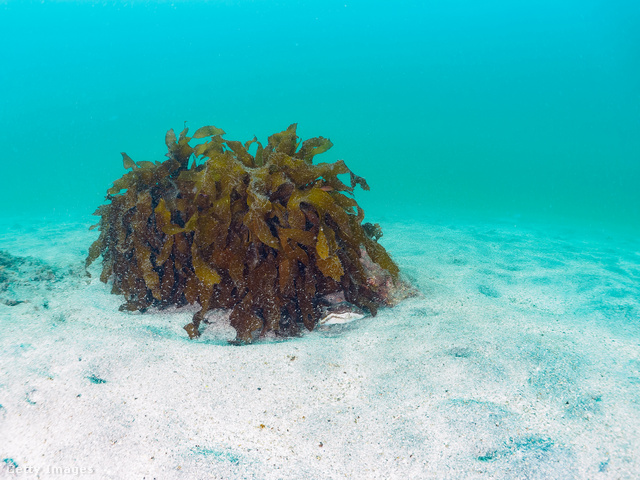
<point x="268" y="235"/>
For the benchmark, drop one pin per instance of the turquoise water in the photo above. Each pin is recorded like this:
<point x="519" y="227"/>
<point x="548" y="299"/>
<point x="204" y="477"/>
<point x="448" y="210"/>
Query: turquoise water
<point x="484" y="109"/>
<point x="500" y="140"/>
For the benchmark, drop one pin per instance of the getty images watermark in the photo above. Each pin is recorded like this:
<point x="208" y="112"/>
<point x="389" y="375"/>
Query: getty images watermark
<point x="50" y="470"/>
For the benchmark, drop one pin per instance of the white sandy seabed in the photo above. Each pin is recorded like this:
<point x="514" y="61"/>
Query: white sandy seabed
<point x="520" y="360"/>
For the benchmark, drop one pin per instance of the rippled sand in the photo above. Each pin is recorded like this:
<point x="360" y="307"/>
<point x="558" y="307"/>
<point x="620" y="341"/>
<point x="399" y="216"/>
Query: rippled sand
<point x="520" y="359"/>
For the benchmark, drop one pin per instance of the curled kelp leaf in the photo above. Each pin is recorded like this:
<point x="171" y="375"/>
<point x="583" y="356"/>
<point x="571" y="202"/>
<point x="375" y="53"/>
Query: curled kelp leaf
<point x="127" y="162"/>
<point x="268" y="235"/>
<point x="208" y="131"/>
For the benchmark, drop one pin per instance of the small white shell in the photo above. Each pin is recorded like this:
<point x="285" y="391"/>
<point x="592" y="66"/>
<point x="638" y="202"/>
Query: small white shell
<point x="339" y="318"/>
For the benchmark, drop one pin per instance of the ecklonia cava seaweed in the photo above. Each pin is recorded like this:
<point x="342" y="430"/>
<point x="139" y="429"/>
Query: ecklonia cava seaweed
<point x="267" y="234"/>
<point x="207" y="275"/>
<point x="331" y="267"/>
<point x="143" y="258"/>
<point x="322" y="246"/>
